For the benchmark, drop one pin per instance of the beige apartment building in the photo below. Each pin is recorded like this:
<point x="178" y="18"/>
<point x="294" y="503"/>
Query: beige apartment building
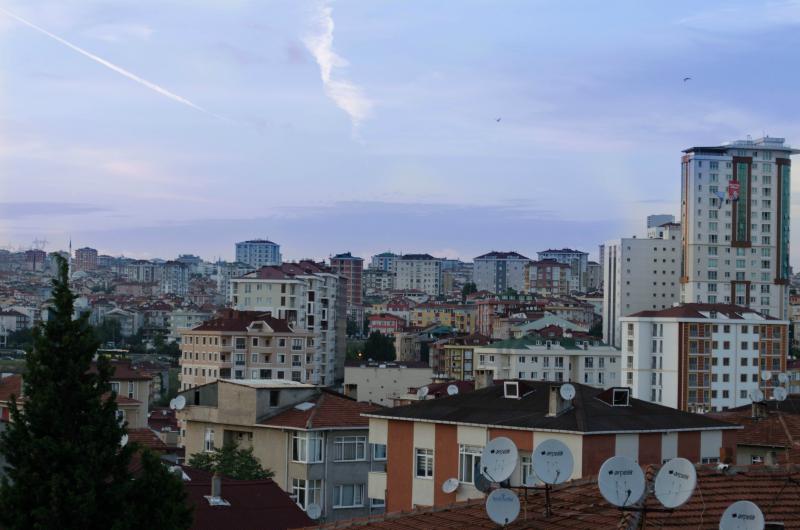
<point x="245" y="345"/>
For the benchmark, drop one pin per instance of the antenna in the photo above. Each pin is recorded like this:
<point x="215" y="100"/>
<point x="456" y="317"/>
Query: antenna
<point x="779" y="393"/>
<point x="452" y="390"/>
<point x="314" y="511"/>
<point x="553" y="461"/>
<point x="180" y="402"/>
<point x="502" y="506"/>
<point x="422" y="392"/>
<point x="499" y="458"/>
<point x="742" y="515"/>
<point x="567" y="391"/>
<point x="621" y="481"/>
<point x="450" y="485"/>
<point x="675" y="482"/>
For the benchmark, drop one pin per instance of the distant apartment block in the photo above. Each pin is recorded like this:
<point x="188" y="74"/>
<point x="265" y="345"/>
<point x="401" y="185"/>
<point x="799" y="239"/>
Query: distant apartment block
<point x="351" y="268"/>
<point x="226" y="270"/>
<point x="258" y="252"/>
<point x="576" y="259"/>
<point x="498" y="271"/>
<point x="85" y="259"/>
<point x="378" y="281"/>
<point x="422" y="272"/>
<point x="175" y="278"/>
<point x="659" y="219"/>
<point x="702" y="357"/>
<point x="384" y="261"/>
<point x="640" y="274"/>
<point x="548" y="277"/>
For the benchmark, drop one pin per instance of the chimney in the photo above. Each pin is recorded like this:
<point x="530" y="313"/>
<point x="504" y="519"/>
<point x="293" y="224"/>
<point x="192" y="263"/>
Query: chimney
<point x="759" y="410"/>
<point x="556" y="404"/>
<point x="216" y="485"/>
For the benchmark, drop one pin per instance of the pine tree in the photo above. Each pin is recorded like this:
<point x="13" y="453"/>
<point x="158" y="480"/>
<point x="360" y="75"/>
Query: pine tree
<point x="65" y="467"/>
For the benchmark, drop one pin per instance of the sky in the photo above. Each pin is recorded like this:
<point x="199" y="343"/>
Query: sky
<point x="152" y="129"/>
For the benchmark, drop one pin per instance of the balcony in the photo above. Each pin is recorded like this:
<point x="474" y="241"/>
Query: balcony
<point x="376" y="485"/>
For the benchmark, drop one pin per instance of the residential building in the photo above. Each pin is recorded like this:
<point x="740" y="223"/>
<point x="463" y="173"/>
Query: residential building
<point x="735" y="215"/>
<point x="382" y="383"/>
<point x="245" y="345"/>
<point x="384" y="261"/>
<point x="436" y="390"/>
<point x="461" y="317"/>
<point x="11" y="321"/>
<point x="419" y="271"/>
<point x="175" y="278"/>
<point x="142" y="271"/>
<point x="35" y="260"/>
<point x="313" y="439"/>
<point x="659" y="219"/>
<point x="310" y="297"/>
<point x="640" y="274"/>
<point x="594" y="276"/>
<point x="539" y="358"/>
<point x="385" y="323"/>
<point x="498" y="271"/>
<point x="377" y="281"/>
<point x="227" y="270"/>
<point x="576" y="259"/>
<point x="702" y="357"/>
<point x="184" y="318"/>
<point x="85" y="259"/>
<point x="434" y="440"/>
<point x="130" y="322"/>
<point x="258" y="253"/>
<point x="352" y="269"/>
<point x="456" y="358"/>
<point x="548" y="277"/>
<point x="132" y="387"/>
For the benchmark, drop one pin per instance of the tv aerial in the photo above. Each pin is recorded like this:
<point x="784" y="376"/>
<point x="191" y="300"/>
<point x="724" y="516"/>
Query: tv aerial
<point x="675" y="482"/>
<point x="452" y="390"/>
<point x="450" y="485"/>
<point x="621" y="481"/>
<point x="314" y="511"/>
<point x="499" y="458"/>
<point x="742" y="515"/>
<point x="422" y="392"/>
<point x="502" y="506"/>
<point x="552" y="463"/>
<point x="567" y="391"/>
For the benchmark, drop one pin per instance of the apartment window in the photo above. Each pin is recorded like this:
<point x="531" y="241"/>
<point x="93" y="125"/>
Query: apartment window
<point x="281" y="343"/>
<point x="306" y="492"/>
<point x="297" y="344"/>
<point x="115" y="387"/>
<point x="208" y="446"/>
<point x="307" y="447"/>
<point x="379" y="451"/>
<point x="131" y="389"/>
<point x="350" y="448"/>
<point x="468" y="457"/>
<point x="253" y="357"/>
<point x="255" y="341"/>
<point x="348" y="496"/>
<point x="240" y="343"/>
<point x="424" y="463"/>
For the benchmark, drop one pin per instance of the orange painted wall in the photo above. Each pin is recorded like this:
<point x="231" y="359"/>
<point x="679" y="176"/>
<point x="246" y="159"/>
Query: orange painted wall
<point x="400" y="465"/>
<point x="689" y="446"/>
<point x="597" y="448"/>
<point x="522" y="439"/>
<point x="445" y="462"/>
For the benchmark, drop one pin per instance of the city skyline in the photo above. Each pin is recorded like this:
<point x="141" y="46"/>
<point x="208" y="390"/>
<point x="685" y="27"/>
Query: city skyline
<point x="316" y="105"/>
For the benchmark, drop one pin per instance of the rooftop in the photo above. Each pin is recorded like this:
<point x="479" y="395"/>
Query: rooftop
<point x="328" y="409"/>
<point x="766" y="142"/>
<point x="502" y="255"/>
<point x="706" y="311"/>
<point x="231" y="320"/>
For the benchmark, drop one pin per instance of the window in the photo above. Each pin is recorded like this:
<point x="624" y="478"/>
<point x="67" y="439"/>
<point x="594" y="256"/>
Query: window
<point x="468" y="457"/>
<point x="240" y="343"/>
<point x="209" y="440"/>
<point x="350" y="448"/>
<point x="297" y="344"/>
<point x="131" y="389"/>
<point x="306" y="492"/>
<point x="255" y="341"/>
<point x="348" y="496"/>
<point x="424" y="463"/>
<point x="307" y="447"/>
<point x="115" y="387"/>
<point x="379" y="451"/>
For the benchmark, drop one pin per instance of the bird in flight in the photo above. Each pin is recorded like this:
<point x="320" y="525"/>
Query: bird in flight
<point x="498" y="120"/>
<point x="686" y="79"/>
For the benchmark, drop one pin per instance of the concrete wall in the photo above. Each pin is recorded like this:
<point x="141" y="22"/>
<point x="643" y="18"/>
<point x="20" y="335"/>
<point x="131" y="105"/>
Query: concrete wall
<point x="382" y="385"/>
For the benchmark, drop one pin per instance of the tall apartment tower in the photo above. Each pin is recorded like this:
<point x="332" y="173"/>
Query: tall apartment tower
<point x="258" y="253"/>
<point x="497" y="271"/>
<point x="735" y="210"/>
<point x="351" y="268"/>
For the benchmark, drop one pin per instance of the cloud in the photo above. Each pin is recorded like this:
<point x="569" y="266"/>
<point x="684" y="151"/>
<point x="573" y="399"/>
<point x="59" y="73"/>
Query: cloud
<point x="348" y="96"/>
<point x="19" y="210"/>
<point x="119" y="32"/>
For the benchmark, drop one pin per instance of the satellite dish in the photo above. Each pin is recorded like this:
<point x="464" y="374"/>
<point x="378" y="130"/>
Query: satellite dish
<point x="779" y="393"/>
<point x="742" y="515"/>
<point x="481" y="483"/>
<point x="675" y="482"/>
<point x="766" y="375"/>
<point x="621" y="481"/>
<point x="553" y="461"/>
<point x="567" y="391"/>
<point x="502" y="506"/>
<point x="452" y="390"/>
<point x="783" y="378"/>
<point x="422" y="392"/>
<point x="499" y="458"/>
<point x="180" y="402"/>
<point x="758" y="396"/>
<point x="314" y="511"/>
<point x="123" y="441"/>
<point x="172" y="404"/>
<point x="450" y="485"/>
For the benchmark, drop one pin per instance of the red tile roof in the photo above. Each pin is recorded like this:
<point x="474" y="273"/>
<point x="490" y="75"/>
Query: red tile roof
<point x="696" y="311"/>
<point x="146" y="438"/>
<point x="773" y="427"/>
<point x="10" y="385"/>
<point x="330" y="409"/>
<point x="231" y="320"/>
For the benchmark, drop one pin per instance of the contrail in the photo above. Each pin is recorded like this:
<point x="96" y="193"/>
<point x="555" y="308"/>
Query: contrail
<point x="152" y="86"/>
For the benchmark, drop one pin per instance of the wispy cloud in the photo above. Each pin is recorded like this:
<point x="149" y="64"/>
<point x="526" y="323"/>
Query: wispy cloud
<point x="348" y="96"/>
<point x="152" y="86"/>
<point x="119" y="32"/>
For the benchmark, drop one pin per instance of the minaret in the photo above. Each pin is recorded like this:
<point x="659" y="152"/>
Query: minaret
<point x="69" y="260"/>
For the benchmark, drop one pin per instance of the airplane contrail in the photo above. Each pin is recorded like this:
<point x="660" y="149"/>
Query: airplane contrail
<point x="152" y="86"/>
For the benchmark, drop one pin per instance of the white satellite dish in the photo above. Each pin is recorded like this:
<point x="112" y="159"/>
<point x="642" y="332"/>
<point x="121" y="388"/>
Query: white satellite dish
<point x="314" y="511"/>
<point x="499" y="458"/>
<point x="766" y="375"/>
<point x="172" y="404"/>
<point x="567" y="391"/>
<point x="742" y="515"/>
<point x="553" y="461"/>
<point x="123" y="441"/>
<point x="180" y="402"/>
<point x="502" y="506"/>
<point x="783" y="378"/>
<point x="757" y="396"/>
<point x="450" y="485"/>
<point x="675" y="482"/>
<point x="452" y="390"/>
<point x="481" y="483"/>
<point x="422" y="392"/>
<point x="621" y="481"/>
<point x="779" y="393"/>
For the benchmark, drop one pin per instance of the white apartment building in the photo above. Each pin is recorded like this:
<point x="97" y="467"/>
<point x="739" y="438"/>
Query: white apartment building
<point x="310" y="296"/>
<point x="702" y="357"/>
<point x="539" y="359"/>
<point x="497" y="271"/>
<point x="384" y="261"/>
<point x="735" y="212"/>
<point x="422" y="272"/>
<point x="576" y="259"/>
<point x="258" y="252"/>
<point x="225" y="270"/>
<point x="640" y="274"/>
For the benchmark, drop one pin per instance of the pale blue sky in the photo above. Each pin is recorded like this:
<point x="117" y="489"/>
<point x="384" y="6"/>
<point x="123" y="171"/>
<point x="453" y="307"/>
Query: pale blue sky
<point x="371" y="125"/>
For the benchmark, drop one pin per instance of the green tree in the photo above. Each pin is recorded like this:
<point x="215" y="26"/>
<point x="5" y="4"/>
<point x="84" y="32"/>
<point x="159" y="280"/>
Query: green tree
<point x="145" y="494"/>
<point x="232" y="462"/>
<point x="596" y="330"/>
<point x="108" y="331"/>
<point x="468" y="289"/>
<point x="21" y="339"/>
<point x="64" y="464"/>
<point x="379" y="347"/>
<point x="352" y="328"/>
